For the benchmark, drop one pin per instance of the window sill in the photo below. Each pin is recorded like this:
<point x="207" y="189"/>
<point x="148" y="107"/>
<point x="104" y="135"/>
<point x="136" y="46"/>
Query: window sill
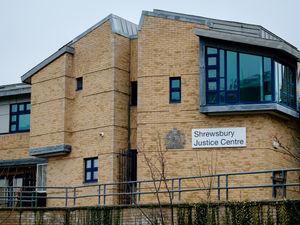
<point x="18" y="132"/>
<point x="89" y="182"/>
<point x="241" y="108"/>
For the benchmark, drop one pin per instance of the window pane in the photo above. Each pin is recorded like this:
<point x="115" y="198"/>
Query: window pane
<point x="251" y="78"/>
<point x="28" y="106"/>
<point x="278" y="76"/>
<point x="284" y="89"/>
<point x="222" y="97"/>
<point x="231" y="71"/>
<point x="267" y="80"/>
<point x="13" y="127"/>
<point x="95" y="175"/>
<point x="134" y="93"/>
<point x="21" y="107"/>
<point x="212" y="73"/>
<point x="212" y="98"/>
<point x="88" y="163"/>
<point x="88" y="176"/>
<point x="222" y="84"/>
<point x="222" y="63"/>
<point x="211" y="51"/>
<point x="96" y="163"/>
<point x="14" y="118"/>
<point x="175" y="96"/>
<point x="212" y="86"/>
<point x="24" y="122"/>
<point x="175" y="83"/>
<point x="79" y="83"/>
<point x="14" y="108"/>
<point x="212" y="61"/>
<point x="231" y="97"/>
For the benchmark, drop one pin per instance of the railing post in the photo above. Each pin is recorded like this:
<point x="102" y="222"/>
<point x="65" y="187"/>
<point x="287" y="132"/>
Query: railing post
<point x="21" y="197"/>
<point x="273" y="187"/>
<point x="132" y="193"/>
<point x="66" y="204"/>
<point x="179" y="190"/>
<point x="139" y="195"/>
<point x="219" y="197"/>
<point x="99" y="194"/>
<point x="74" y="200"/>
<point x="172" y="194"/>
<point x="226" y="187"/>
<point x="104" y="194"/>
<point x="283" y="183"/>
<point x="36" y="197"/>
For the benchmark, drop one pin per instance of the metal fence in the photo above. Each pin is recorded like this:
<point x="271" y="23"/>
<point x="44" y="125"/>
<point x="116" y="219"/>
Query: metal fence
<point x="275" y="180"/>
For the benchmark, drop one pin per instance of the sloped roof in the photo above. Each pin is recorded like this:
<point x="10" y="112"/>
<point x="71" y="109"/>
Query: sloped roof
<point x="216" y="28"/>
<point x="230" y="31"/>
<point x="14" y="89"/>
<point x="223" y="26"/>
<point x="118" y="25"/>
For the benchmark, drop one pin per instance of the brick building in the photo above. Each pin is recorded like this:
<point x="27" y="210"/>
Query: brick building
<point x="210" y="94"/>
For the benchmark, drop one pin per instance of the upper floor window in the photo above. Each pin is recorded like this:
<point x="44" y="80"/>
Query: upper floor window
<point x="79" y="83"/>
<point x="240" y="78"/>
<point x="20" y="117"/>
<point x="175" y="89"/>
<point x="91" y="170"/>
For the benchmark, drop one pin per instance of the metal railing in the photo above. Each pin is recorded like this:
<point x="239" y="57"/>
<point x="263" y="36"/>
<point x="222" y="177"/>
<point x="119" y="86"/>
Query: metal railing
<point x="13" y="196"/>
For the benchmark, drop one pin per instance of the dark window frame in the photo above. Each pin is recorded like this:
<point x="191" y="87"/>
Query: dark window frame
<point x="17" y="114"/>
<point x="92" y="169"/>
<point x="79" y="83"/>
<point x="172" y="89"/>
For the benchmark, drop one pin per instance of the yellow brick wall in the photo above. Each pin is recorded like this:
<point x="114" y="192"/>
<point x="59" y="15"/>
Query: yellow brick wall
<point x="14" y="146"/>
<point x="103" y="60"/>
<point x="49" y="100"/>
<point x="168" y="48"/>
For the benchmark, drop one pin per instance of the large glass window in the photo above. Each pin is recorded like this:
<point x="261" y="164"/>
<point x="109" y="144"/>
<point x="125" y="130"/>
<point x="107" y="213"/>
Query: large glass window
<point x="20" y="117"/>
<point x="241" y="78"/>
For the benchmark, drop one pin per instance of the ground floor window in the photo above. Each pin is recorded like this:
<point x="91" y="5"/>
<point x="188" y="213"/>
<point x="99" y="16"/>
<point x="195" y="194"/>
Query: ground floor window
<point x="91" y="170"/>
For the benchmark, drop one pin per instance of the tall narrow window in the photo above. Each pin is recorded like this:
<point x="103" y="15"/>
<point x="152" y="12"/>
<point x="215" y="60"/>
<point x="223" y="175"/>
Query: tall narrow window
<point x="175" y="89"/>
<point x="134" y="93"/>
<point x="91" y="170"/>
<point x="41" y="177"/>
<point x="20" y="117"/>
<point x="79" y="83"/>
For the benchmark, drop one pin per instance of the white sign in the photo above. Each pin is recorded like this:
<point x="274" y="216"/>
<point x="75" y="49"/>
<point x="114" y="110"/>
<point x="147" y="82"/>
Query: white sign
<point x="219" y="137"/>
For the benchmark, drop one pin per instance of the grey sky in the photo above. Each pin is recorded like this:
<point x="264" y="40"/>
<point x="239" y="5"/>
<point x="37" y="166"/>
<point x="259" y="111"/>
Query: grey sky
<point x="32" y="30"/>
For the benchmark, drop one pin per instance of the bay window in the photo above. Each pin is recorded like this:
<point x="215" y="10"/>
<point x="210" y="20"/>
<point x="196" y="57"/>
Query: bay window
<point x="234" y="77"/>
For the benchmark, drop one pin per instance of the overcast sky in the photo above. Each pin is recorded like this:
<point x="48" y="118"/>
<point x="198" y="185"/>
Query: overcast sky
<point x="32" y="30"/>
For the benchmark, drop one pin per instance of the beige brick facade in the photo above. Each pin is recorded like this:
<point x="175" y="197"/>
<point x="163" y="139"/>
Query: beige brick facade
<point x="107" y="63"/>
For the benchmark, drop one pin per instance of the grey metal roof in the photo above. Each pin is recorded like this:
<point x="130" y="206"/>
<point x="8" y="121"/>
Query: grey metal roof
<point x="273" y="44"/>
<point x="27" y="76"/>
<point x="14" y="89"/>
<point x="118" y="25"/>
<point x="230" y="27"/>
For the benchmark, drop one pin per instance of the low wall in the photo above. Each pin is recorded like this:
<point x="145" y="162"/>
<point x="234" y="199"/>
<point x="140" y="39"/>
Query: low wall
<point x="229" y="213"/>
